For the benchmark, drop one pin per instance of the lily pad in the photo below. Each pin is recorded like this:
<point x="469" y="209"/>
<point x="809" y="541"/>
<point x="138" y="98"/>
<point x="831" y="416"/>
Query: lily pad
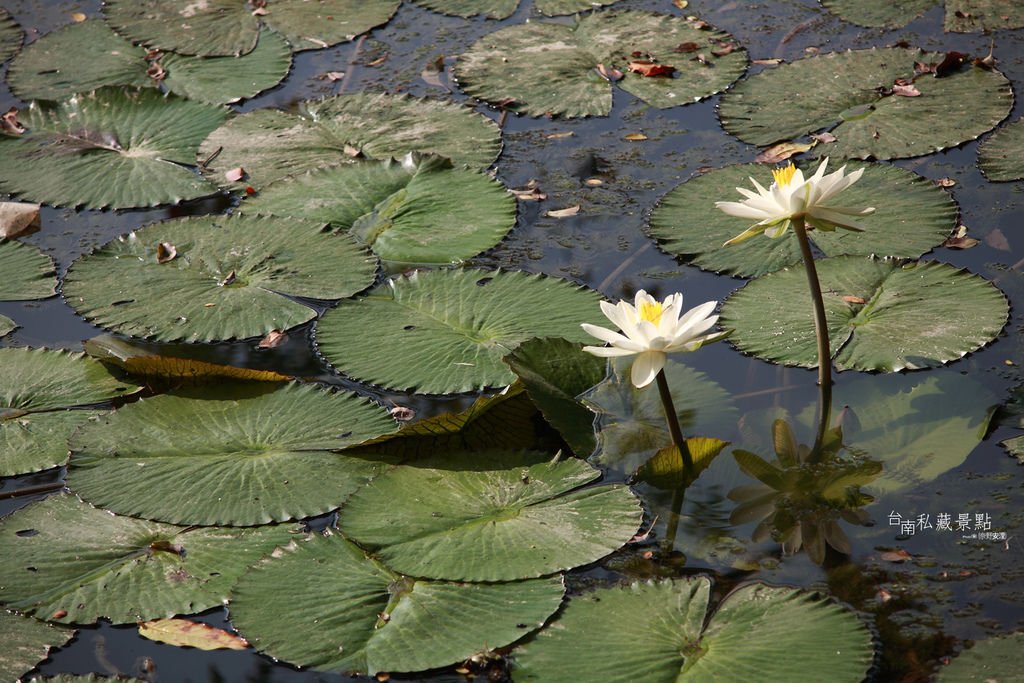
<point x="6" y="325"/>
<point x="38" y="386"/>
<point x="656" y="632"/>
<point x="366" y="616"/>
<point x="992" y="659"/>
<point x="1000" y="156"/>
<point x="26" y="642"/>
<point x="879" y="13"/>
<point x="270" y="144"/>
<point x="71" y="563"/>
<point x="492" y="516"/>
<point x="254" y="456"/>
<point x="28" y="273"/>
<point x="417" y="211"/>
<point x="850" y="94"/>
<point x="882" y="314"/>
<point x="229" y="277"/>
<point x="967" y="16"/>
<point x="443" y="332"/>
<point x="912" y="215"/>
<point x="11" y="35"/>
<point x="962" y="16"/>
<point x="553" y="69"/>
<point x="113" y="147"/>
<point x="227" y="27"/>
<point x="503" y="9"/>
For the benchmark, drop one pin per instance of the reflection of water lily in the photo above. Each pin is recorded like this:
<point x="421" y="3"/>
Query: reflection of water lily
<point x="792" y="196"/>
<point x="652" y="329"/>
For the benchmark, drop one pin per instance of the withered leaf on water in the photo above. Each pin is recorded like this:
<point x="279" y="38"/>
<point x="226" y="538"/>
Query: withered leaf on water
<point x="530" y="193"/>
<point x="906" y="90"/>
<point x="824" y="138"/>
<point x="781" y="152"/>
<point x="333" y="76"/>
<point x="775" y="61"/>
<point x="165" y="252"/>
<point x="78" y="17"/>
<point x="402" y="413"/>
<point x="564" y="213"/>
<point x="433" y="71"/>
<point x="681" y="4"/>
<point x="945" y="182"/>
<point x="185" y="633"/>
<point x="686" y="47"/>
<point x="18" y="218"/>
<point x="651" y="69"/>
<point x="952" y="61"/>
<point x="609" y="73"/>
<point x="898" y="555"/>
<point x="273" y="339"/>
<point x="559" y="136"/>
<point x="9" y="123"/>
<point x="723" y="48"/>
<point x="635" y="137"/>
<point x="960" y="240"/>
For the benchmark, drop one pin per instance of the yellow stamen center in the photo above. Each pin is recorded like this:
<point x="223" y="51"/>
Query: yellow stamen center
<point x="651" y="312"/>
<point x="784" y="175"/>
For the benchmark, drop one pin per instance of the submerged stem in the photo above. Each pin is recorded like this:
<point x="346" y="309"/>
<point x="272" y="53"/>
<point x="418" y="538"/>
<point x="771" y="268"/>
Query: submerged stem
<point x="673" y="423"/>
<point x="820" y="324"/>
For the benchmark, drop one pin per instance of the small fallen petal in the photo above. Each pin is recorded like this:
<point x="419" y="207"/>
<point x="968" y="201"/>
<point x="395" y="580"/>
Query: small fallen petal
<point x="906" y="91"/>
<point x="9" y="123"/>
<point x="334" y="75"/>
<point x="681" y="4"/>
<point x="650" y="69"/>
<point x="165" y="252"/>
<point x="78" y="17"/>
<point x="235" y="174"/>
<point x="18" y="218"/>
<point x="824" y="138"/>
<point x="273" y="339"/>
<point x="593" y="182"/>
<point x="563" y="213"/>
<point x="635" y="137"/>
<point x="352" y="152"/>
<point x="403" y="413"/>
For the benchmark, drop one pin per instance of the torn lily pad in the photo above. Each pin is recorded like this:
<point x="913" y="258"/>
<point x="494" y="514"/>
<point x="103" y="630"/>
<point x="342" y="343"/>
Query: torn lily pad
<point x="503" y="9"/>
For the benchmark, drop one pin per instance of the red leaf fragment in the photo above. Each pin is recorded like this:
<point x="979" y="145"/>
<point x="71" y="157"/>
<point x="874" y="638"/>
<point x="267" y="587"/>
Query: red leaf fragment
<point x="235" y="174"/>
<point x="686" y="47"/>
<point x="273" y="339"/>
<point x="953" y="61"/>
<point x="650" y="69"/>
<point x="250" y="190"/>
<point x="609" y="73"/>
<point x="899" y="555"/>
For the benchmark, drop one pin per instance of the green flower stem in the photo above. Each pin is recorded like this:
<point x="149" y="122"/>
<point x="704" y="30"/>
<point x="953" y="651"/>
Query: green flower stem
<point x="672" y="528"/>
<point x="673" y="423"/>
<point x="820" y="324"/>
<point x="824" y="417"/>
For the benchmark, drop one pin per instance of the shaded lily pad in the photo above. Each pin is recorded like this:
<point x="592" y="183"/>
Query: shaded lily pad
<point x="492" y="516"/>
<point x="229" y="278"/>
<point x="26" y="642"/>
<point x="882" y="314"/>
<point x="912" y="215"/>
<point x="38" y="386"/>
<point x="417" y="211"/>
<point x="6" y="325"/>
<point x="502" y="9"/>
<point x="1000" y="156"/>
<point x="28" y="273"/>
<point x="254" y="456"/>
<point x="992" y="659"/>
<point x="879" y="13"/>
<point x="666" y="469"/>
<point x="552" y="69"/>
<point x="444" y="332"/>
<point x="77" y="564"/>
<point x="11" y="36"/>
<point x="846" y="94"/>
<point x="962" y="16"/>
<point x="656" y="632"/>
<point x="365" y="617"/>
<point x="113" y="147"/>
<point x="270" y="144"/>
<point x="227" y="27"/>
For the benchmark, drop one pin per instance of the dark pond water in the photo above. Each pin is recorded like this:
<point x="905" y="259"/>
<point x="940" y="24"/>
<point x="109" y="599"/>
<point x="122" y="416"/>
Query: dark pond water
<point x="953" y="590"/>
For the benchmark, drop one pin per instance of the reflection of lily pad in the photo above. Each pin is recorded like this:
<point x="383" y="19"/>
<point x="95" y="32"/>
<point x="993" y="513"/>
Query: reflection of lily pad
<point x="442" y="332"/>
<point x="71" y="563"/>
<point x="963" y="16"/>
<point x="502" y="9"/>
<point x="270" y="144"/>
<point x="882" y="314"/>
<point x="10" y="35"/>
<point x="26" y="642"/>
<point x="1001" y="157"/>
<point x="552" y="69"/>
<point x="912" y="215"/>
<point x="265" y="456"/>
<point x="367" y="619"/>
<point x="656" y="632"/>
<point x="111" y="148"/>
<point x="419" y="211"/>
<point x="490" y="516"/>
<point x="28" y="273"/>
<point x="846" y="93"/>
<point x="229" y="27"/>
<point x="231" y="278"/>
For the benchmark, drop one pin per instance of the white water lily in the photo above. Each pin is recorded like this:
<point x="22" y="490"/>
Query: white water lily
<point x="791" y="197"/>
<point x="651" y="330"/>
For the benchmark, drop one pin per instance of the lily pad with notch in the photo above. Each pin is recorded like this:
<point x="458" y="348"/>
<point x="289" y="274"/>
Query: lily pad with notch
<point x="503" y="9"/>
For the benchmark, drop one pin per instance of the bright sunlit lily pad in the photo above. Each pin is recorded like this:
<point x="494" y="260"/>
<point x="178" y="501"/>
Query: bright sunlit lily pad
<point x="26" y="643"/>
<point x="28" y="273"/>
<point x="502" y="9"/>
<point x="11" y="35"/>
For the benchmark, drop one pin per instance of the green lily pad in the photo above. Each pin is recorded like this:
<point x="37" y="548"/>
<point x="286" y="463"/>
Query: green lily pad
<point x="967" y="16"/>
<point x="962" y="16"/>
<point x="993" y="659"/>
<point x="270" y="144"/>
<point x="11" y="35"/>
<point x="38" y="386"/>
<point x="72" y="563"/>
<point x="26" y="642"/>
<point x="552" y="69"/>
<point x="879" y="13"/>
<point x="417" y="211"/>
<point x="231" y="277"/>
<point x="502" y="9"/>
<point x="256" y="455"/>
<point x="1000" y="156"/>
<point x="492" y="516"/>
<point x="913" y="315"/>
<point x="227" y="27"/>
<point x="656" y="632"/>
<point x="6" y="325"/>
<point x="113" y="148"/>
<point x="843" y="92"/>
<point x="28" y="272"/>
<point x="912" y="215"/>
<point x="444" y="332"/>
<point x="368" y="619"/>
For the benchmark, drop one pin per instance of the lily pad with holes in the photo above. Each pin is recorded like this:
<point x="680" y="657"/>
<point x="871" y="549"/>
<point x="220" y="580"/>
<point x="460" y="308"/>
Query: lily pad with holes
<point x="76" y="564"/>
<point x="247" y="455"/>
<point x="850" y="94"/>
<point x="1001" y="157"/>
<point x="114" y="147"/>
<point x="365" y="617"/>
<point x="417" y="211"/>
<point x="270" y="144"/>
<point x="11" y="35"/>
<point x="444" y="332"/>
<point x="226" y="27"/>
<point x="26" y="642"/>
<point x="502" y="9"/>
<point x="912" y="215"/>
<point x="39" y="386"/>
<point x="228" y="278"/>
<point x="656" y="632"/>
<point x="882" y="314"/>
<point x="991" y="659"/>
<point x="490" y="516"/>
<point x="553" y="69"/>
<point x="28" y="273"/>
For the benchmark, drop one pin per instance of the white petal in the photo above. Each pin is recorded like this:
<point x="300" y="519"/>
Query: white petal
<point x="694" y="315"/>
<point x="613" y="338"/>
<point x="620" y="318"/>
<point x="842" y="220"/>
<point x="607" y="351"/>
<point x="741" y="210"/>
<point x="646" y="367"/>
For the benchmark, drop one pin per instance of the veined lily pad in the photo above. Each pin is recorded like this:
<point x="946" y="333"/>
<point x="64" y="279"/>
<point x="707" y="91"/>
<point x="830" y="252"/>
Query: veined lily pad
<point x="71" y="563"/>
<point x="993" y="659"/>
<point x="962" y="16"/>
<point x="545" y="68"/>
<point x="443" y="332"/>
<point x="227" y="27"/>
<point x="851" y="95"/>
<point x="655" y="632"/>
<point x="912" y="215"/>
<point x="491" y="516"/>
<point x="266" y="456"/>
<point x="113" y="147"/>
<point x="502" y="9"/>
<point x="11" y="36"/>
<point x="882" y="314"/>
<point x="366" y="616"/>
<point x="417" y="211"/>
<point x="1001" y="157"/>
<point x="229" y="277"/>
<point x="28" y="273"/>
<point x="26" y="642"/>
<point x="38" y="385"/>
<point x="270" y="144"/>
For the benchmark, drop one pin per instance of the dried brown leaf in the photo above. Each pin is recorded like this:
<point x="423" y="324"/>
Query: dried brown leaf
<point x="650" y="69"/>
<point x="635" y="137"/>
<point x="563" y="213"/>
<point x="185" y="633"/>
<point x="781" y="152"/>
<point x="273" y="339"/>
<point x="824" y="138"/>
<point x="9" y="123"/>
<point x="18" y="218"/>
<point x="165" y="252"/>
<point x="609" y="73"/>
